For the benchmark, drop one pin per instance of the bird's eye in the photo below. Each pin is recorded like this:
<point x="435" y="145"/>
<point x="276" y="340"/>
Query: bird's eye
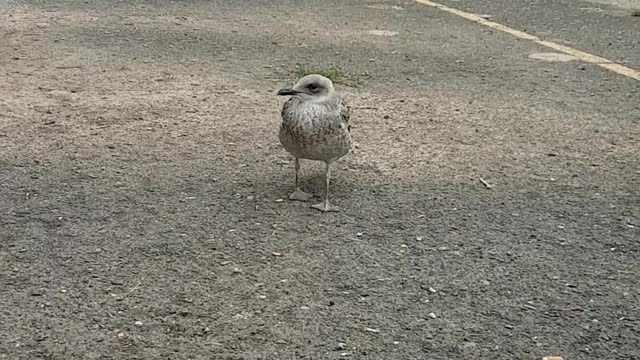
<point x="312" y="86"/>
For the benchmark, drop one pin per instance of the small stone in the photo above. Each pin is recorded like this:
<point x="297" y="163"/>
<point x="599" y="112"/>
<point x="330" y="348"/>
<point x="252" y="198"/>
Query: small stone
<point x="382" y="33"/>
<point x="371" y="330"/>
<point x="432" y="290"/>
<point x="279" y="200"/>
<point x="419" y="238"/>
<point x="341" y="346"/>
<point x="552" y="358"/>
<point x="138" y="323"/>
<point x="120" y="334"/>
<point x="359" y="234"/>
<point x="250" y="197"/>
<point x="432" y="315"/>
<point x="396" y="342"/>
<point x="304" y="308"/>
<point x="262" y="297"/>
<point x="237" y="270"/>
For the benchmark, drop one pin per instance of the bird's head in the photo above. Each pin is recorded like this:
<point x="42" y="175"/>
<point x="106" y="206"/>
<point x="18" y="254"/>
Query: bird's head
<point x="310" y="87"/>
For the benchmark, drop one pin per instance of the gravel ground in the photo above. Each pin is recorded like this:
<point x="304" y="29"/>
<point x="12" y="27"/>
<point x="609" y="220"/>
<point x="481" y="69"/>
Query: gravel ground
<point x="141" y="181"/>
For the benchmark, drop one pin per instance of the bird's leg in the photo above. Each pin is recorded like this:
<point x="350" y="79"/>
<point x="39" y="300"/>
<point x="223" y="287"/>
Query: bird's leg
<point x="299" y="194"/>
<point x="325" y="205"/>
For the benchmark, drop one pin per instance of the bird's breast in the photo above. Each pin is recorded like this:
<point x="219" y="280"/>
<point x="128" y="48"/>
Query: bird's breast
<point x="312" y="132"/>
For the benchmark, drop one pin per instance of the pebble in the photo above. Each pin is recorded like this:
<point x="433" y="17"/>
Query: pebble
<point x="341" y="346"/>
<point x="552" y="358"/>
<point x="382" y="33"/>
<point x="432" y="290"/>
<point x="304" y="308"/>
<point x="432" y="315"/>
<point x="279" y="200"/>
<point x="276" y="254"/>
<point x="138" y="323"/>
<point x="371" y="330"/>
<point x="120" y="334"/>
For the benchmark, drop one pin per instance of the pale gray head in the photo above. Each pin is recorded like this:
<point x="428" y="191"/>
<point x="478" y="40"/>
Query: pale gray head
<point x="311" y="87"/>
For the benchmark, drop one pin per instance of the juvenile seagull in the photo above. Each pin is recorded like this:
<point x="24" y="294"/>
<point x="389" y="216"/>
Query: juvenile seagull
<point x="315" y="126"/>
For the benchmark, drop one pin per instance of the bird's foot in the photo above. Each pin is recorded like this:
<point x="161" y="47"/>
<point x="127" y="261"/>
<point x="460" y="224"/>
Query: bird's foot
<point x="325" y="206"/>
<point x="300" y="195"/>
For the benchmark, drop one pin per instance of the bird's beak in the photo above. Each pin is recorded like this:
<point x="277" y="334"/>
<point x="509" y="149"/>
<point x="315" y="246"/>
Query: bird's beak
<point x="287" y="91"/>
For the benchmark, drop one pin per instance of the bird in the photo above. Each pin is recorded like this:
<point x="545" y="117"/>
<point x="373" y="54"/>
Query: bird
<point x="315" y="126"/>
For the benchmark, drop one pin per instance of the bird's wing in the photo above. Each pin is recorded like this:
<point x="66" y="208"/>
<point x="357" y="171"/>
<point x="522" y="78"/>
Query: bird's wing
<point x="345" y="113"/>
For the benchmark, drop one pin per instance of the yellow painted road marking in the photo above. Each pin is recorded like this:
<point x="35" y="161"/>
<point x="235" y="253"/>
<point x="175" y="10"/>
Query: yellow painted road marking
<point x="586" y="57"/>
